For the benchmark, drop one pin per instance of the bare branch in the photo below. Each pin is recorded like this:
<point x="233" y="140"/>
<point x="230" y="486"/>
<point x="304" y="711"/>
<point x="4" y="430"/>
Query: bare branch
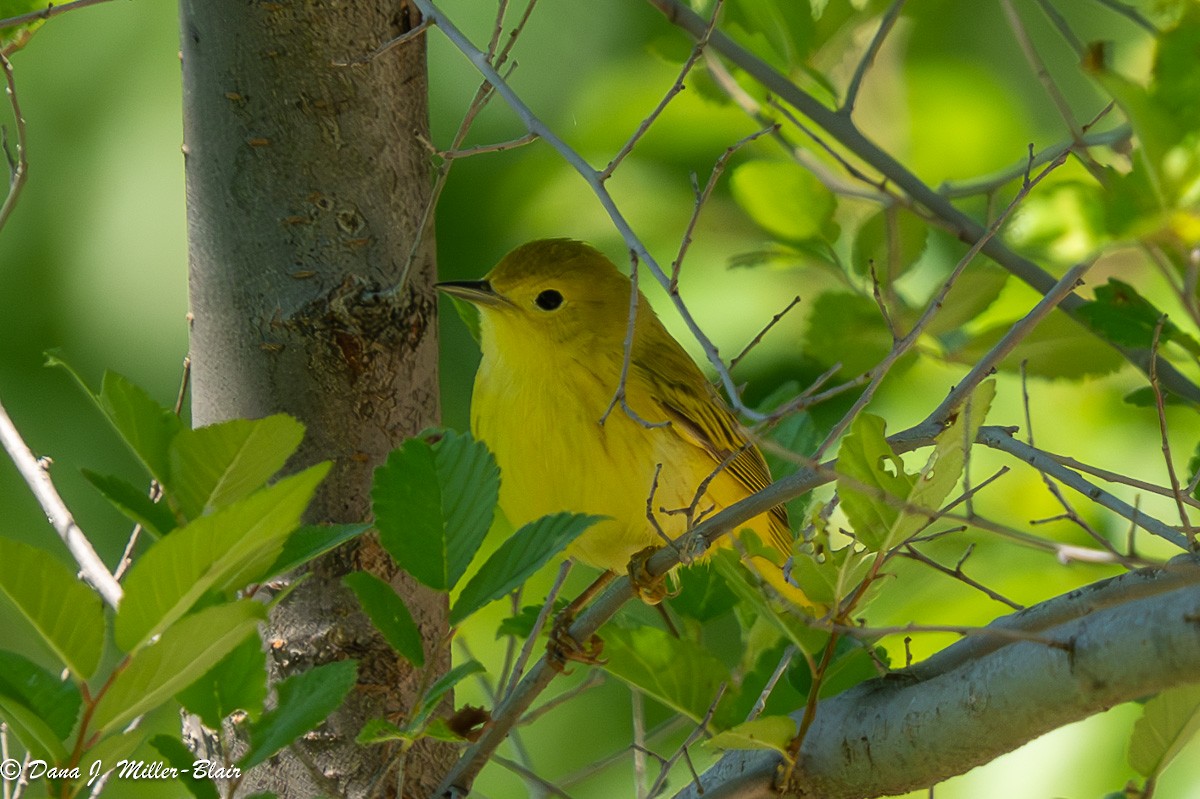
<point x="51" y="10"/>
<point x="886" y="22"/>
<point x="91" y="568"/>
<point x="18" y="166"/>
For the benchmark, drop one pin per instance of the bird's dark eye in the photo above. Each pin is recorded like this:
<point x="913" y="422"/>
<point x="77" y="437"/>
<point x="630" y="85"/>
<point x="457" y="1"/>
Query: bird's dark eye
<point x="549" y="299"/>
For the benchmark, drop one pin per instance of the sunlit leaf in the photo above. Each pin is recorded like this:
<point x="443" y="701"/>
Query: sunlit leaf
<point x="1169" y="721"/>
<point x="224" y="551"/>
<point x="214" y="466"/>
<point x="68" y="615"/>
<point x="892" y="240"/>
<point x="784" y="199"/>
<point x="181" y="655"/>
<point x="764" y="732"/>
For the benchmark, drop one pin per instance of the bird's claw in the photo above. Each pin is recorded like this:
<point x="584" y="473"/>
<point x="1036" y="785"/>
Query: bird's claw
<point x="650" y="589"/>
<point x="563" y="647"/>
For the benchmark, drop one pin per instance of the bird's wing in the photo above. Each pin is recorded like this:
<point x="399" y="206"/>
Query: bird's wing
<point x="699" y="416"/>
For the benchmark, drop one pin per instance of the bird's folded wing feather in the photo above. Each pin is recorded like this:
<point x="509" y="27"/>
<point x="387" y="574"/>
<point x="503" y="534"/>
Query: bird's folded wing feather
<point x="700" y="418"/>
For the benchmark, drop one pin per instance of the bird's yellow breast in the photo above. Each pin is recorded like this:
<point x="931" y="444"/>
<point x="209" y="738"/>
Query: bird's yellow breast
<point x="541" y="419"/>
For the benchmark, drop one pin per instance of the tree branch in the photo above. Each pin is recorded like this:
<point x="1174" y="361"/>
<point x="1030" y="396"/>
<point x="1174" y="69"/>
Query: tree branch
<point x="1129" y="636"/>
<point x="91" y="568"/>
<point x="966" y="228"/>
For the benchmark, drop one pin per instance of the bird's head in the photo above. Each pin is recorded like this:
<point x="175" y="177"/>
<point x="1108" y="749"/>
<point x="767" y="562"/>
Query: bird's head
<point x="553" y="292"/>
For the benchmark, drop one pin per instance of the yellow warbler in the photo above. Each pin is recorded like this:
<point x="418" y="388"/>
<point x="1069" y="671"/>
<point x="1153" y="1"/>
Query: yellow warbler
<point x="554" y="316"/>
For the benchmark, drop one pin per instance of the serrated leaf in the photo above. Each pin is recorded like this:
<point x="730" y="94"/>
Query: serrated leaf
<point x="848" y="329"/>
<point x="154" y="517"/>
<point x="675" y="671"/>
<point x="237" y="682"/>
<point x="180" y="757"/>
<point x="874" y="487"/>
<point x="1169" y="721"/>
<point x="68" y="615"/>
<point x="143" y="424"/>
<point x="389" y="614"/>
<point x="223" y="551"/>
<point x="1059" y="347"/>
<point x="872" y="483"/>
<point x="214" y="466"/>
<point x="434" y="503"/>
<point x="1124" y="317"/>
<point x="703" y="594"/>
<point x="54" y="701"/>
<point x="785" y="199"/>
<point x="305" y="700"/>
<point x="765" y="732"/>
<point x="181" y="655"/>
<point x="311" y="541"/>
<point x="518" y="558"/>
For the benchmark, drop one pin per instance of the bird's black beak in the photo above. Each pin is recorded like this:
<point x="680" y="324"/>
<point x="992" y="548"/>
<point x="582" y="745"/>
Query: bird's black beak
<point x="479" y="292"/>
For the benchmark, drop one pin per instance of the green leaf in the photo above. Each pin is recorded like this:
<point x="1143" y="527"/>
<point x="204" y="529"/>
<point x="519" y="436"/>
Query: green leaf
<point x="518" y="558"/>
<point x="434" y="503"/>
<point x="179" y="756"/>
<point x="892" y="239"/>
<point x="675" y="671"/>
<point x="444" y="685"/>
<point x="874" y="486"/>
<point x="68" y="615"/>
<point x="111" y="750"/>
<point x="305" y="700"/>
<point x="1059" y="347"/>
<point x="224" y="551"/>
<point x="54" y="701"/>
<point x="1063" y="222"/>
<point x="389" y="614"/>
<point x="764" y="732"/>
<point x="1124" y="317"/>
<point x="237" y="682"/>
<point x="703" y="594"/>
<point x="1169" y="721"/>
<point x="872" y="483"/>
<point x="181" y="655"/>
<point x="380" y="731"/>
<point x="143" y="424"/>
<point x="521" y="625"/>
<point x="17" y="36"/>
<point x="972" y="294"/>
<point x="214" y="466"/>
<point x="834" y="576"/>
<point x="155" y="517"/>
<point x="848" y="329"/>
<point x="310" y="542"/>
<point x="39" y="708"/>
<point x="785" y="200"/>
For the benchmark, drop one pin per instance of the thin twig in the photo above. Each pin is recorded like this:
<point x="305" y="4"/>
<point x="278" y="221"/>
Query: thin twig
<point x="91" y="568"/>
<point x="18" y="166"/>
<point x="702" y="196"/>
<point x="542" y="616"/>
<point x="699" y="730"/>
<point x="912" y="552"/>
<point x="1131" y="13"/>
<point x="1160" y="407"/>
<point x="527" y="774"/>
<point x="638" y="711"/>
<point x="760" y="704"/>
<point x="675" y="89"/>
<point x="766" y="329"/>
<point x="886" y="22"/>
<point x="497" y="147"/>
<point x="407" y="36"/>
<point x="49" y="11"/>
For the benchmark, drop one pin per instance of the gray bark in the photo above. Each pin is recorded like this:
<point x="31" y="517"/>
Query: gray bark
<point x="1120" y="640"/>
<point x="306" y="183"/>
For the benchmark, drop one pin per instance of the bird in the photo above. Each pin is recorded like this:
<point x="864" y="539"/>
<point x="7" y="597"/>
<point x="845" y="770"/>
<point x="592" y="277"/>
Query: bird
<point x="553" y="324"/>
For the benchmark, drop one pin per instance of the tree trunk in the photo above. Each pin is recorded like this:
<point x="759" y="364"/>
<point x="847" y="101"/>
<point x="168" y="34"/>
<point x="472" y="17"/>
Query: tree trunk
<point x="306" y="184"/>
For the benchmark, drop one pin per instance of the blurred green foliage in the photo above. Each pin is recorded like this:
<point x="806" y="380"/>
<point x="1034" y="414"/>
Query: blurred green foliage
<point x="93" y="262"/>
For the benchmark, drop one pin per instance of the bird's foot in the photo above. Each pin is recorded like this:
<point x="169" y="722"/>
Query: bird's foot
<point x="564" y="647"/>
<point x="650" y="589"/>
